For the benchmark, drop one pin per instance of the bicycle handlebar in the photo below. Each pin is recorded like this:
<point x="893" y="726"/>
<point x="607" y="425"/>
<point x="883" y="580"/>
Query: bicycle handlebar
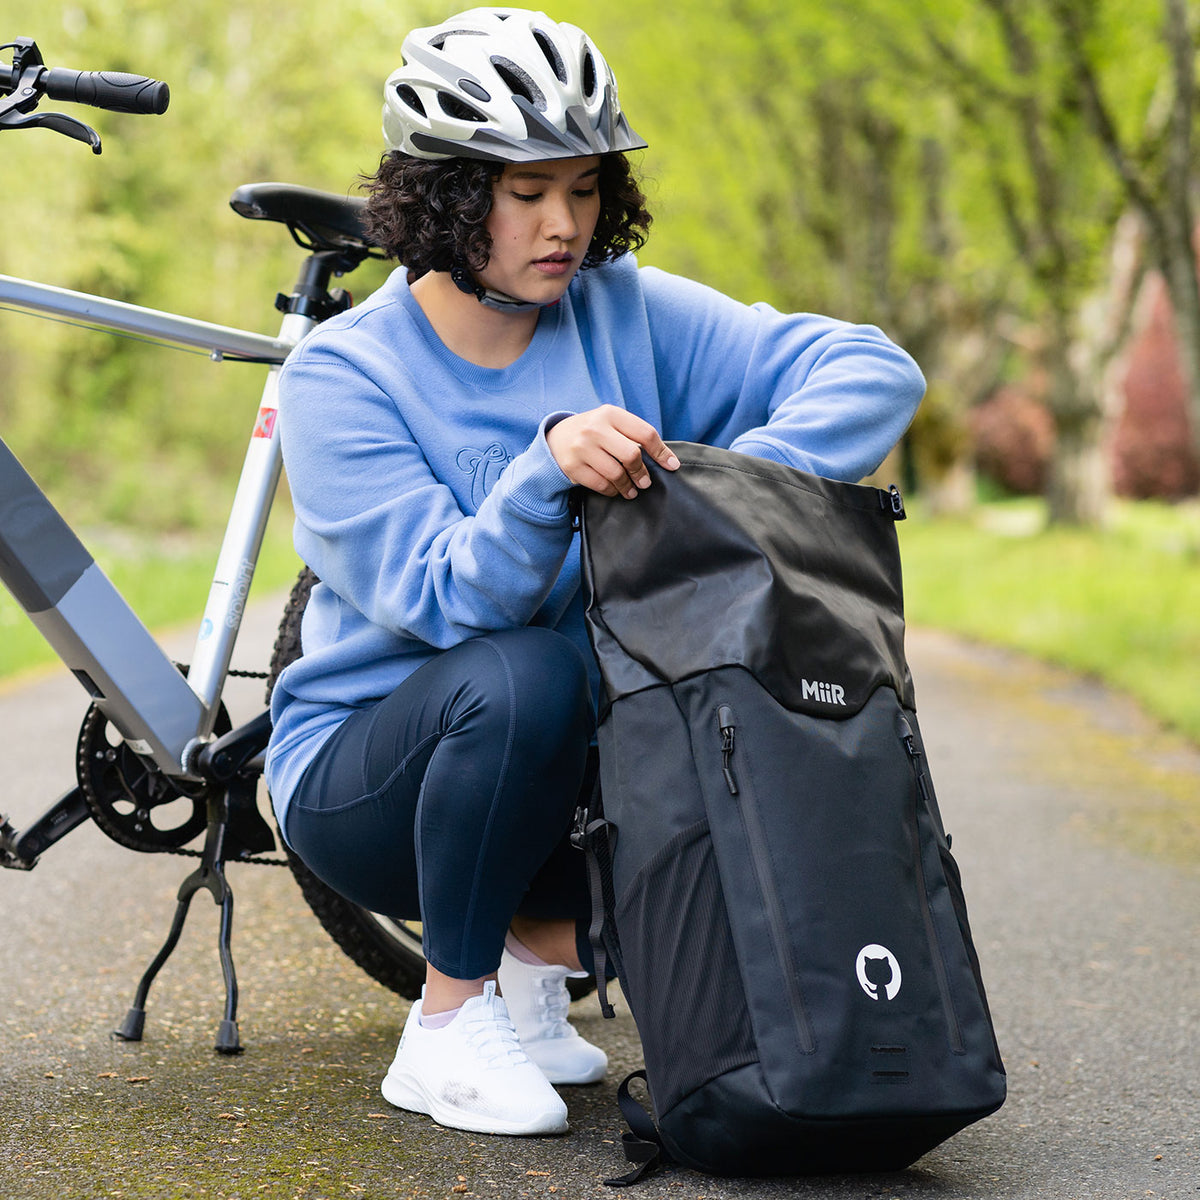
<point x="28" y="80"/>
<point x="113" y="90"/>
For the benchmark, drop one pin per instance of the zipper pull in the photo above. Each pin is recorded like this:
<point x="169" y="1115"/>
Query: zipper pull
<point x="725" y="724"/>
<point x="914" y="757"/>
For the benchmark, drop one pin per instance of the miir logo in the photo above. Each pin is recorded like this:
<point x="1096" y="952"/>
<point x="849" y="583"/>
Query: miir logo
<point x="826" y="693"/>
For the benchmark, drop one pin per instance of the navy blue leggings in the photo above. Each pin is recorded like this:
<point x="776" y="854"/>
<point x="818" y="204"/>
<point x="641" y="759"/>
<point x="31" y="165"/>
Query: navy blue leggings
<point x="451" y="799"/>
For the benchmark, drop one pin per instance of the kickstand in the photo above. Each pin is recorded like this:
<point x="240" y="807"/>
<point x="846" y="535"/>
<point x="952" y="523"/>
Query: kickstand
<point x="210" y="875"/>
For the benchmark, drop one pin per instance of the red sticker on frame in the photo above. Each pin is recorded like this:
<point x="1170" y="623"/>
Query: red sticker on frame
<point x="264" y="427"/>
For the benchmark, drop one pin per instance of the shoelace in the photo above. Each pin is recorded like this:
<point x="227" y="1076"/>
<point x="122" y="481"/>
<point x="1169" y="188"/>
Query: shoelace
<point x="554" y="1001"/>
<point x="494" y="1040"/>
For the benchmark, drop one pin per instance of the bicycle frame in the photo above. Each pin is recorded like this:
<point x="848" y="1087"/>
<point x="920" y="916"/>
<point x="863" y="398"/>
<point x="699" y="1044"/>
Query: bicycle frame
<point x="174" y="740"/>
<point x="162" y="715"/>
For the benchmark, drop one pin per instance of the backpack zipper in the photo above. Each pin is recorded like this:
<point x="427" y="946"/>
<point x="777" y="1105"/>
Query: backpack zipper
<point x="725" y="723"/>
<point x="921" y="796"/>
<point x="760" y="857"/>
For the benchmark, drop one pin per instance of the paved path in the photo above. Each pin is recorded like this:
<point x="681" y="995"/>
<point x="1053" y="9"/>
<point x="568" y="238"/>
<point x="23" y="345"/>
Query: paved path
<point x="1077" y="826"/>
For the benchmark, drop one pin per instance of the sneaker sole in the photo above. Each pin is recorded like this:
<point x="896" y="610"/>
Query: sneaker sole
<point x="565" y="1078"/>
<point x="405" y="1091"/>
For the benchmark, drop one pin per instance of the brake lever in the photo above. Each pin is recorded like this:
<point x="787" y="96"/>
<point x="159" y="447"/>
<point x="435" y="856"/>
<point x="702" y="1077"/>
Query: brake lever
<point x="58" y="122"/>
<point x="16" y="110"/>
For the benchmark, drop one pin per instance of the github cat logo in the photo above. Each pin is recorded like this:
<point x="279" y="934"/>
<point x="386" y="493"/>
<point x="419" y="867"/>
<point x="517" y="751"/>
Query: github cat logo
<point x="878" y="972"/>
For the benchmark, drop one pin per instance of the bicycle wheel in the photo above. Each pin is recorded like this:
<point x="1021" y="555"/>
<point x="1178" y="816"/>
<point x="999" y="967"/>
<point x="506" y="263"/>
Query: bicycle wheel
<point x="388" y="950"/>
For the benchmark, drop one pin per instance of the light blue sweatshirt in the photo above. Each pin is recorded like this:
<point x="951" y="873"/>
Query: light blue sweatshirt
<point x="431" y="508"/>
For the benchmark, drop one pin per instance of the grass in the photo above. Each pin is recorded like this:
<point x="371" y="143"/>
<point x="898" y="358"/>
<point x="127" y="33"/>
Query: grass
<point x="1122" y="604"/>
<point x="165" y="581"/>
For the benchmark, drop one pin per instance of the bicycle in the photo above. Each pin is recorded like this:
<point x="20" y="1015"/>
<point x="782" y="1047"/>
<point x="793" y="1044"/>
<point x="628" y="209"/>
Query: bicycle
<point x="158" y="763"/>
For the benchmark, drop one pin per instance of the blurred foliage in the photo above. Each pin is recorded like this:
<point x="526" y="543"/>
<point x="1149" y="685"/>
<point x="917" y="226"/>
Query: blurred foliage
<point x="1014" y="440"/>
<point x="114" y="430"/>
<point x="857" y="157"/>
<point x="1152" y="453"/>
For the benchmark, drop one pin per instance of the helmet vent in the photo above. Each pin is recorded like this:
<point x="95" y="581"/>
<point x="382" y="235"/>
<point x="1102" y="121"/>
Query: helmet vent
<point x="452" y="106"/>
<point x="409" y="97"/>
<point x="439" y="40"/>
<point x="589" y="75"/>
<point x="519" y="82"/>
<point x="550" y="50"/>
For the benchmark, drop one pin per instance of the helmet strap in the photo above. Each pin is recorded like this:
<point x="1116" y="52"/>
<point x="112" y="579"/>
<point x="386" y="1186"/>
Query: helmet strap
<point x="489" y="297"/>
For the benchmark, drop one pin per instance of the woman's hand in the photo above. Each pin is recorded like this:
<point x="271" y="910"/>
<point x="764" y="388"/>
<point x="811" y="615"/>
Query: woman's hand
<point x="601" y="450"/>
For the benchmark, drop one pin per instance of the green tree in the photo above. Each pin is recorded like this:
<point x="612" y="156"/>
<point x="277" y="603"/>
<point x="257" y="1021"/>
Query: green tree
<point x="1149" y="143"/>
<point x="930" y="166"/>
<point x="794" y="165"/>
<point x="1000" y="62"/>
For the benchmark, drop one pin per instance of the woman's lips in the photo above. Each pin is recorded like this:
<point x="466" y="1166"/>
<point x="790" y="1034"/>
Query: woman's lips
<point x="554" y="264"/>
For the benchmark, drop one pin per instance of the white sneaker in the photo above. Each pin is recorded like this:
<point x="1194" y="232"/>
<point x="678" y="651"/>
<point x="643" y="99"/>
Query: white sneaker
<point x="472" y="1074"/>
<point x="538" y="1001"/>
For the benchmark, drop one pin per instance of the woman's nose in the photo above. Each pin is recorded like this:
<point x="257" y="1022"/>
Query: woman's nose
<point x="559" y="222"/>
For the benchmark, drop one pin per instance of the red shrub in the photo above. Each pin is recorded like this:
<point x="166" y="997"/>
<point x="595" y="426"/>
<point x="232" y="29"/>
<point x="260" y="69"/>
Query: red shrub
<point x="1152" y="453"/>
<point x="1014" y="440"/>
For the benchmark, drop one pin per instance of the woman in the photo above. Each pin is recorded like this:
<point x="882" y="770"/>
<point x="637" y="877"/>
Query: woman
<point x="430" y="746"/>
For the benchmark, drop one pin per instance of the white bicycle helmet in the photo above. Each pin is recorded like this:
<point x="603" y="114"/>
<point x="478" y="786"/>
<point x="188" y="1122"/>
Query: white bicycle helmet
<point x="504" y="85"/>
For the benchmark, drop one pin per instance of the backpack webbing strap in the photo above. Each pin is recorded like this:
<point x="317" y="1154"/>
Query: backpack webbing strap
<point x="642" y="1142"/>
<point x="589" y="836"/>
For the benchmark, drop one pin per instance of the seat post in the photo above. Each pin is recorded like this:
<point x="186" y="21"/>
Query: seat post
<point x="311" y="297"/>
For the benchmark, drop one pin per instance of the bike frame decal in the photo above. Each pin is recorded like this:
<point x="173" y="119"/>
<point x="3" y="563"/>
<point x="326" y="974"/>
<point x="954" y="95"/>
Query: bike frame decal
<point x="264" y="427"/>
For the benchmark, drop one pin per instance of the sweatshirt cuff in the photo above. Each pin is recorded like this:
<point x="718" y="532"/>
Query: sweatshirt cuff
<point x="536" y="483"/>
<point x="760" y="447"/>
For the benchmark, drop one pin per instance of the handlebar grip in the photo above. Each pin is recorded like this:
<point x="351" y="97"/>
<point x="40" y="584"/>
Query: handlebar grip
<point x="113" y="90"/>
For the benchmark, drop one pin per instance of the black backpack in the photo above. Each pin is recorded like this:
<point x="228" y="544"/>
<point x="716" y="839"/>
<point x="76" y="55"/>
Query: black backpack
<point x="779" y="897"/>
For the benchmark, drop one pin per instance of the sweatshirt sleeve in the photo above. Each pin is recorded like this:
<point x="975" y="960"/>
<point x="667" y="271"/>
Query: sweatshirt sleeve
<point x="388" y="537"/>
<point x="808" y="391"/>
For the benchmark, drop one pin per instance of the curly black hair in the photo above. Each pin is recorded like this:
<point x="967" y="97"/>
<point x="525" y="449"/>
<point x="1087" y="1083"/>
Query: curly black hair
<point x="431" y="213"/>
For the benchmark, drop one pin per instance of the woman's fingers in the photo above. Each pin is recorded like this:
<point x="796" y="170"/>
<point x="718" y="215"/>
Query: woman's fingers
<point x="602" y="450"/>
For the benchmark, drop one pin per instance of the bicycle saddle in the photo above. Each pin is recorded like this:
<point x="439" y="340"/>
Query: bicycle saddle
<point x="325" y="220"/>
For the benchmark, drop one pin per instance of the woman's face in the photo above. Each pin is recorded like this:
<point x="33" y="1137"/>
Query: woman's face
<point x="542" y="219"/>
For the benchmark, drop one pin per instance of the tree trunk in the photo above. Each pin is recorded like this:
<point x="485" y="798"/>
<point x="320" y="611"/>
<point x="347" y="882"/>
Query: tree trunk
<point x="1079" y="491"/>
<point x="1079" y="488"/>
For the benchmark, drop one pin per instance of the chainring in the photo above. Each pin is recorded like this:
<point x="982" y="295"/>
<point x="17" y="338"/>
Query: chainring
<point x="131" y="800"/>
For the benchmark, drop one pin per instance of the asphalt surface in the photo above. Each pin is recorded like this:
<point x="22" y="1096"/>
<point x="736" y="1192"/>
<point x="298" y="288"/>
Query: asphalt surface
<point x="1077" y="826"/>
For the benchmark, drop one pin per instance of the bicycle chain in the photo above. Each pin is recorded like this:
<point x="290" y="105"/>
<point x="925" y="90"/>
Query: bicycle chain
<point x="253" y="860"/>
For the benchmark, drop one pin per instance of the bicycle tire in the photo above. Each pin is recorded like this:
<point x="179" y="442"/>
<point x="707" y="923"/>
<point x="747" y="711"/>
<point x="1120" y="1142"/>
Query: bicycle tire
<point x="387" y="950"/>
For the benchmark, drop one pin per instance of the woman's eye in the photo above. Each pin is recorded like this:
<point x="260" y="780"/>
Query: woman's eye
<point x="584" y="193"/>
<point x="527" y="199"/>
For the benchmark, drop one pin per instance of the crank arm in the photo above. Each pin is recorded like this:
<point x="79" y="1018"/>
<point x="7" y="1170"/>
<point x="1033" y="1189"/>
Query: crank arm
<point x="20" y="851"/>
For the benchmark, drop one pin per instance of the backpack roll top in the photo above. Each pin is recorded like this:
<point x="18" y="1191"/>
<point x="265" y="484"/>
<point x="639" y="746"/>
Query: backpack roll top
<point x="734" y="560"/>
